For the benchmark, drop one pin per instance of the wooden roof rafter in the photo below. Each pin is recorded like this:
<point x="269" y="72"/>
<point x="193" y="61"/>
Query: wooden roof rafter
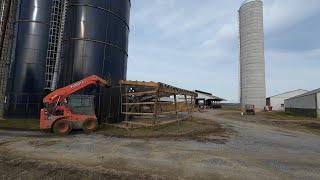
<point x="162" y="87"/>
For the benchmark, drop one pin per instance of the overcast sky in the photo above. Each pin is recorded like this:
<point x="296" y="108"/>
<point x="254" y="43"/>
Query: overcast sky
<point x="194" y="44"/>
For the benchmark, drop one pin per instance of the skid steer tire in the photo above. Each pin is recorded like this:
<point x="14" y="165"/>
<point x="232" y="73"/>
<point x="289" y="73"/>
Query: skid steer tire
<point x="89" y="126"/>
<point x="62" y="127"/>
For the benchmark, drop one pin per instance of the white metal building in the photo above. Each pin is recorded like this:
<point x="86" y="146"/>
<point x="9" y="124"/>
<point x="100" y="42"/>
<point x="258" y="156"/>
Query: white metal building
<point x="277" y="101"/>
<point x="307" y="104"/>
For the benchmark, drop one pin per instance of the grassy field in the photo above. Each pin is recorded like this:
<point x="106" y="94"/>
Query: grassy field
<point x="20" y="124"/>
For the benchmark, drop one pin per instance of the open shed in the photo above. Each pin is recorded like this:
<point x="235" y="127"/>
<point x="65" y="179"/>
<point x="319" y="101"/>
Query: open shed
<point x="141" y="99"/>
<point x="208" y="100"/>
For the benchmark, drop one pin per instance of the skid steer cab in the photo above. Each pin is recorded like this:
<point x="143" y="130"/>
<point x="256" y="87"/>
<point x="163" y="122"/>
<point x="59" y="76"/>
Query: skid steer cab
<point x="64" y="111"/>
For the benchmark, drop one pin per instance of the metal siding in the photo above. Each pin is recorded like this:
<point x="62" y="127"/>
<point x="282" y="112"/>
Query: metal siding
<point x="318" y="100"/>
<point x="27" y="69"/>
<point x="96" y="42"/>
<point x="304" y="102"/>
<point x="318" y="103"/>
<point x="252" y="63"/>
<point x="276" y="104"/>
<point x="277" y="100"/>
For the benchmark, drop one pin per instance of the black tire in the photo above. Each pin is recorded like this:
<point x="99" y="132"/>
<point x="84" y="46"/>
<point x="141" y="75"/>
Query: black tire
<point x="62" y="127"/>
<point x="89" y="126"/>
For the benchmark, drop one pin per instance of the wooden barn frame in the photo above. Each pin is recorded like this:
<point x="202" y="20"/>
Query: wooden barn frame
<point x="141" y="98"/>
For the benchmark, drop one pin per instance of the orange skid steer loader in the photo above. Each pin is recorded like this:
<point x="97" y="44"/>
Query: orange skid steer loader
<point x="63" y="111"/>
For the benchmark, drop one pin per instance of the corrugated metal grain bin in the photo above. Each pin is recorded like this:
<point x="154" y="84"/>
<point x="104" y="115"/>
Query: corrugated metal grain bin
<point x="26" y="83"/>
<point x="96" y="42"/>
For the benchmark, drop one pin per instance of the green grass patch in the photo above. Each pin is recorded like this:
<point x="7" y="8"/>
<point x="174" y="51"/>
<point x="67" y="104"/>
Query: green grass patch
<point x="190" y="128"/>
<point x="32" y="124"/>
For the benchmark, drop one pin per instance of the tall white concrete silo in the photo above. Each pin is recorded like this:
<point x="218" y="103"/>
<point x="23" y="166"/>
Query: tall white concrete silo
<point x="252" y="61"/>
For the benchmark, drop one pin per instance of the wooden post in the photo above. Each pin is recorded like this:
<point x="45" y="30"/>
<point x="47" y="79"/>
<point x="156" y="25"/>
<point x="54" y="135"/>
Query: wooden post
<point x="127" y="107"/>
<point x="176" y="108"/>
<point x="192" y="106"/>
<point x="155" y="116"/>
<point x="188" y="109"/>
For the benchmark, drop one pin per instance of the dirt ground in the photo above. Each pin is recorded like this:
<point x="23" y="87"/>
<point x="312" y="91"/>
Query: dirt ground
<point x="278" y="119"/>
<point x="239" y="147"/>
<point x="197" y="129"/>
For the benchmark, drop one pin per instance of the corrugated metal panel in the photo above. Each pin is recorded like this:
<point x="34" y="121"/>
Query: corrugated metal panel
<point x="290" y="94"/>
<point x="252" y="63"/>
<point x="308" y="93"/>
<point x="318" y="100"/>
<point x="303" y="102"/>
<point x="278" y="100"/>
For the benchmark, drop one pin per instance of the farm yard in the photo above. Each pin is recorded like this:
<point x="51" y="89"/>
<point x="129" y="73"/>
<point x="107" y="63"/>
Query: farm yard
<point x="266" y="146"/>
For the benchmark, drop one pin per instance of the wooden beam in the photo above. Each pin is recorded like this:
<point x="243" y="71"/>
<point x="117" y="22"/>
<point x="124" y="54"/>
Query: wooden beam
<point x="162" y="87"/>
<point x="155" y="107"/>
<point x="127" y="108"/>
<point x="188" y="108"/>
<point x="159" y="113"/>
<point x="142" y="103"/>
<point x="139" y="93"/>
<point x="167" y="112"/>
<point x="173" y="91"/>
<point x="139" y="83"/>
<point x="168" y="91"/>
<point x="133" y="113"/>
<point x="139" y="123"/>
<point x="146" y="103"/>
<point x="176" y="106"/>
<point x="170" y="122"/>
<point x="192" y="107"/>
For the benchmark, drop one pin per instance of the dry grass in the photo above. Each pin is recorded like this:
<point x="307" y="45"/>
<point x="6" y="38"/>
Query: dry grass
<point x="286" y="116"/>
<point x="22" y="124"/>
<point x="279" y="119"/>
<point x="291" y="121"/>
<point x="14" y="167"/>
<point x="193" y="129"/>
<point x="234" y="109"/>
